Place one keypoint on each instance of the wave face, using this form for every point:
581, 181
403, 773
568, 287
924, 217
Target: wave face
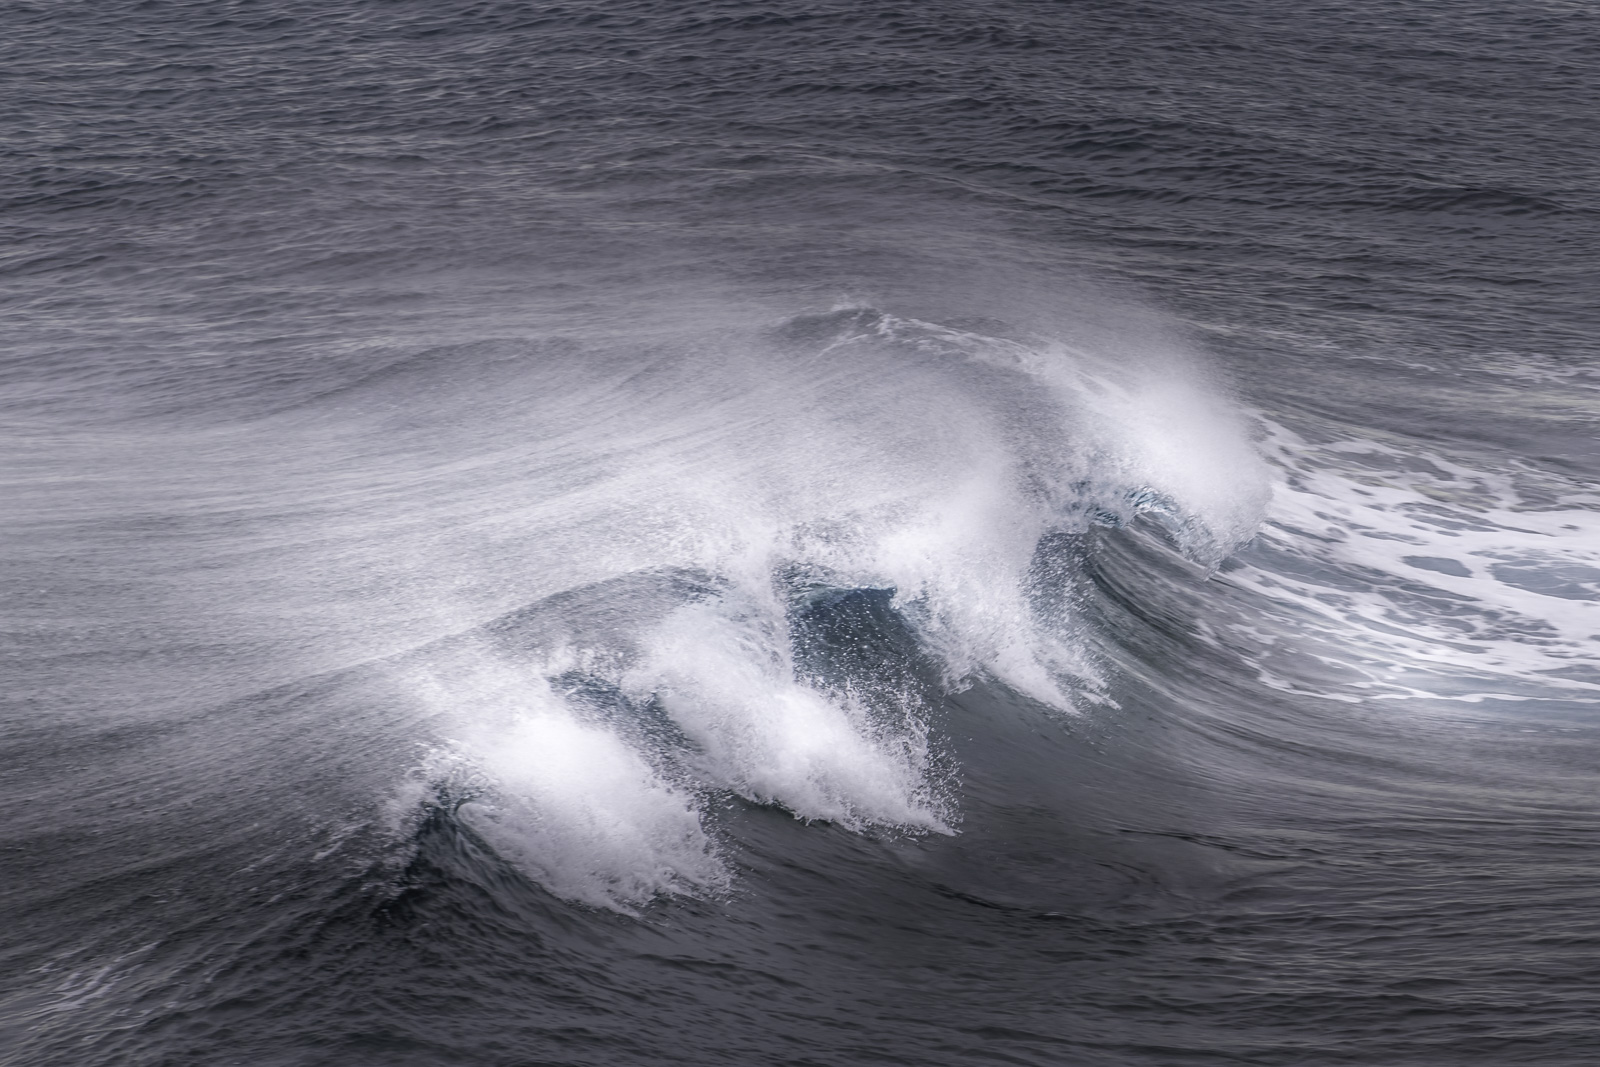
638, 534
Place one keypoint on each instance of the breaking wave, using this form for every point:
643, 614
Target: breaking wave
782, 549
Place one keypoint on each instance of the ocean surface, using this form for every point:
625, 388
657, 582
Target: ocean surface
827, 533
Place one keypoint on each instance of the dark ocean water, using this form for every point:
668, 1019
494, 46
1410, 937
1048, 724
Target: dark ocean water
831, 533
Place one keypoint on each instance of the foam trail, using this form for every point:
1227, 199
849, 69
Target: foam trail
1441, 582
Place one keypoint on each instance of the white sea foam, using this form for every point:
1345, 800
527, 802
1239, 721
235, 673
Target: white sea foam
729, 681
1441, 580
568, 799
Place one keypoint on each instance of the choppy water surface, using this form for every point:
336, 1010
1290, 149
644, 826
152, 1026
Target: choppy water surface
1048, 533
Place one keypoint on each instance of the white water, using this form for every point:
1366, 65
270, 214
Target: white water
1441, 580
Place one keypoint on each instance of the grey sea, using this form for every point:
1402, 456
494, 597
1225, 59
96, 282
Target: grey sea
1041, 532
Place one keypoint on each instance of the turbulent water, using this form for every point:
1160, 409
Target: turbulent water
1058, 533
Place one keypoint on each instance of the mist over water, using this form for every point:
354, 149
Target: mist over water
1054, 534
